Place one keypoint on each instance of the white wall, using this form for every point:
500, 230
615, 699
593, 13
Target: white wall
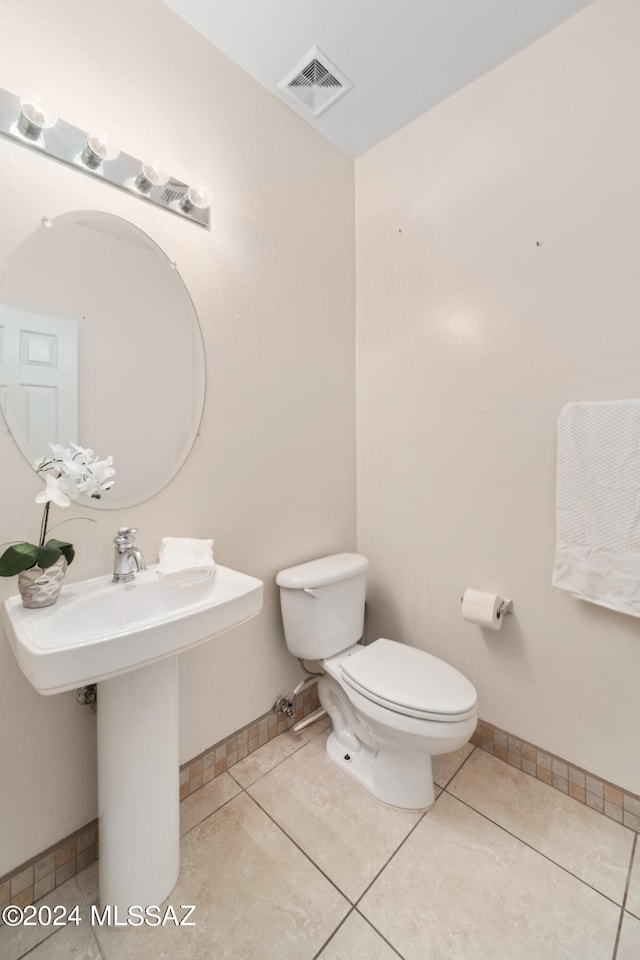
498, 245
272, 476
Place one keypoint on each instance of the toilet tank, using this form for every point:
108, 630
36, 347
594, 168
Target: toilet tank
322, 604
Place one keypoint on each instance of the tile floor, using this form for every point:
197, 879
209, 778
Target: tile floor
285, 857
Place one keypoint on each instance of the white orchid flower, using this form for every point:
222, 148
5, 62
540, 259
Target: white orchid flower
59, 452
92, 487
103, 470
53, 492
93, 478
73, 469
86, 455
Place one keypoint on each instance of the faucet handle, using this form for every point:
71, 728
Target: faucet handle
124, 534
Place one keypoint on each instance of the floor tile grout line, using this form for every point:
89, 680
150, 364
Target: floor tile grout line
302, 851
85, 903
414, 827
631, 865
459, 768
534, 849
241, 788
353, 910
207, 817
245, 790
276, 765
424, 814
88, 904
333, 932
39, 943
352, 904
102, 953
381, 935
624, 898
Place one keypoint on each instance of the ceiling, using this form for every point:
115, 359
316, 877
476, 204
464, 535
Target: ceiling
401, 56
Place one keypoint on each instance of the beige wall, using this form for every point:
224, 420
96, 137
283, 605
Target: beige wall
498, 245
272, 476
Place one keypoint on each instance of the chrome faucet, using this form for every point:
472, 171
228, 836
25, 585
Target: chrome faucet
127, 558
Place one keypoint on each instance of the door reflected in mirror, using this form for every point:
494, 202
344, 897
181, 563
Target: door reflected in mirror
100, 345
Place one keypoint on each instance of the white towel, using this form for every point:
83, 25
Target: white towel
183, 561
598, 504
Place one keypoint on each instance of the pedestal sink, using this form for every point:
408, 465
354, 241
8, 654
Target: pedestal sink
126, 638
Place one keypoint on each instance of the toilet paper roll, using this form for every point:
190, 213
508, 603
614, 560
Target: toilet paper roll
482, 608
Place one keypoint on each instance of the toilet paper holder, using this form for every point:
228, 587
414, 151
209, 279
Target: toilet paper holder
505, 607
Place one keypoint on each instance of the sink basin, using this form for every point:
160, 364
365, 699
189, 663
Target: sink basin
99, 629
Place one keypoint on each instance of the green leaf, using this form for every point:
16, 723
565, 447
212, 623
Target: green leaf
18, 557
47, 556
66, 549
22, 556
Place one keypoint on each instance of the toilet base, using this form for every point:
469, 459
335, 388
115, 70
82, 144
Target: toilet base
398, 779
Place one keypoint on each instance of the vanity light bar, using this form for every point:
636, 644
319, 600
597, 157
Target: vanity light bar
32, 122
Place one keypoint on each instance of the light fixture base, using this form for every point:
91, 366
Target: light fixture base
68, 144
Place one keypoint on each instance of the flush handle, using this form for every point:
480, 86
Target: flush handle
311, 591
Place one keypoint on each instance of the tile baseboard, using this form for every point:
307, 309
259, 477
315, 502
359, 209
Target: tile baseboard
216, 759
607, 798
51, 868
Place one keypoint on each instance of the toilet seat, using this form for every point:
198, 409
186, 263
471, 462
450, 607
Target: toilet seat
410, 681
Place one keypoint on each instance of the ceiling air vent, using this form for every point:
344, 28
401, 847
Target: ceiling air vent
315, 83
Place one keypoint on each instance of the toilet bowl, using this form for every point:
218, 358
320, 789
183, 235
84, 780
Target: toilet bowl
387, 746
392, 706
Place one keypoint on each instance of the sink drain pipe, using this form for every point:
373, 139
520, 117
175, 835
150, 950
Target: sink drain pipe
88, 696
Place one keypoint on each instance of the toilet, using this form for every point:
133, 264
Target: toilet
392, 706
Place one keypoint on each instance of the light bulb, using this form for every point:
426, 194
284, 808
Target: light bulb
153, 173
198, 197
99, 148
36, 114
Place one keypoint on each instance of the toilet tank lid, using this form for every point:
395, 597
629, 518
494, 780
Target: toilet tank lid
323, 571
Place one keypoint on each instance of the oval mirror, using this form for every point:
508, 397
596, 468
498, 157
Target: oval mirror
100, 345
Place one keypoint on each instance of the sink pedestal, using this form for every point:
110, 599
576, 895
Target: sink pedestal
126, 638
138, 786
